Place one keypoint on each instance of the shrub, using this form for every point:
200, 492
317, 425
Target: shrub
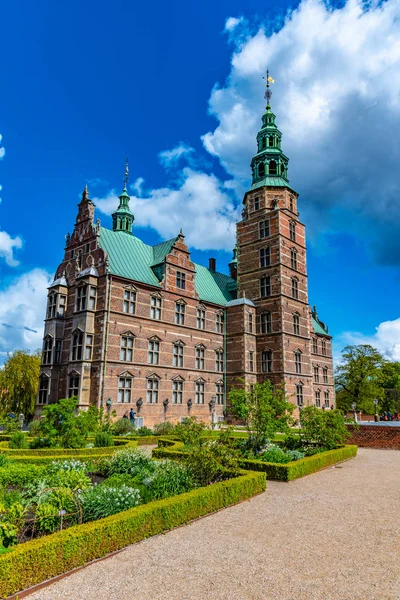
73, 438
204, 465
165, 428
99, 502
132, 462
42, 442
18, 440
190, 431
20, 474
122, 427
103, 439
274, 455
47, 518
325, 428
71, 479
119, 479
143, 431
169, 479
34, 428
4, 460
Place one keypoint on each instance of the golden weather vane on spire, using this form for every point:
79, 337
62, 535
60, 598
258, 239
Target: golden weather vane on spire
126, 172
268, 92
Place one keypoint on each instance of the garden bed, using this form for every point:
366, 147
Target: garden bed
38, 560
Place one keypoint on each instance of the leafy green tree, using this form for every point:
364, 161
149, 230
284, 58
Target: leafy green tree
325, 428
264, 409
390, 381
62, 426
358, 378
19, 383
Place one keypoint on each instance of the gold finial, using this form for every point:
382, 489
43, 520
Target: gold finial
126, 173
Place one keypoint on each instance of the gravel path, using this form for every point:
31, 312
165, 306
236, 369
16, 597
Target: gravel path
329, 536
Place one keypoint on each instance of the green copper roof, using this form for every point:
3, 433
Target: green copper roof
318, 328
131, 258
271, 182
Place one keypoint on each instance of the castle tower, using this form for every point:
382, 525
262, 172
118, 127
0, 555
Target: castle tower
123, 217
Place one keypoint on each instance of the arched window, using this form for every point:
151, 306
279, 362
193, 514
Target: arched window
296, 323
272, 168
261, 170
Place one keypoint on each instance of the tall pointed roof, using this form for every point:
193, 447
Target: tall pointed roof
123, 217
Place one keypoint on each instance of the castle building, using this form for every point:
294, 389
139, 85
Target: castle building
130, 325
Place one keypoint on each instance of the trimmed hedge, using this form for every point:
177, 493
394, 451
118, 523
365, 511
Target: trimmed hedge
276, 472
33, 562
20, 474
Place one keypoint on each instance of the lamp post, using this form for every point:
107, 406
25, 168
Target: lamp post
376, 416
354, 406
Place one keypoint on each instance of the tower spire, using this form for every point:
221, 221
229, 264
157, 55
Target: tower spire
126, 176
268, 92
123, 217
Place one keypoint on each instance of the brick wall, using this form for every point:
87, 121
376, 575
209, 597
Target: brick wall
375, 436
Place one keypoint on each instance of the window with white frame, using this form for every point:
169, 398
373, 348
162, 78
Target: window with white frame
152, 390
88, 346
92, 297
179, 313
265, 286
52, 306
155, 307
297, 361
219, 393
57, 352
296, 323
124, 389
299, 394
325, 374
180, 280
47, 350
62, 305
315, 346
326, 398
153, 354
201, 318
265, 257
129, 302
73, 388
81, 297
177, 391
200, 357
199, 392
295, 288
316, 374
219, 360
43, 389
264, 229
219, 322
266, 322
318, 399
178, 355
292, 231
126, 349
266, 361
293, 259
77, 345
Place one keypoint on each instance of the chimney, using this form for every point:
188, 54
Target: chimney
212, 264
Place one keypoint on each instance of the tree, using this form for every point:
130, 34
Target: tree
19, 383
264, 409
325, 428
390, 382
358, 378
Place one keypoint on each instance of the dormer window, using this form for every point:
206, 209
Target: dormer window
180, 280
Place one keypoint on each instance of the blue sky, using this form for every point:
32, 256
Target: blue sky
178, 87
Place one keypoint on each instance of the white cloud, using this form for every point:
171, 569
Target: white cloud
170, 158
2, 149
22, 310
7, 247
231, 23
386, 339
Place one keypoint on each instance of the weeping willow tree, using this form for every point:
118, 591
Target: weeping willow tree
19, 383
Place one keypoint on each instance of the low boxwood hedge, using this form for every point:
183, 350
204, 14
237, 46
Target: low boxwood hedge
274, 471
19, 474
33, 562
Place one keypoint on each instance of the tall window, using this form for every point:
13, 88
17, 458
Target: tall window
219, 392
265, 286
77, 343
201, 318
264, 229
261, 170
266, 322
62, 305
179, 313
180, 280
326, 398
266, 361
251, 361
73, 388
295, 289
272, 167
256, 203
92, 297
296, 324
219, 360
155, 307
323, 347
88, 347
250, 323
178, 355
43, 389
293, 259
124, 390
129, 302
81, 292
199, 396
265, 257
299, 394
177, 391
271, 140
316, 374
292, 231
57, 352
152, 391
200, 357
126, 350
297, 361
47, 349
318, 399
153, 355
315, 346
219, 322
325, 374
291, 205
52, 306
